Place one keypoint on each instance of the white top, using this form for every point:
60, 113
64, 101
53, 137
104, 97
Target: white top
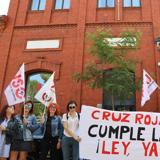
4, 148
73, 123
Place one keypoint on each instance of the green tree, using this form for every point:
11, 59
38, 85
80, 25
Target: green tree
45, 76
119, 82
31, 89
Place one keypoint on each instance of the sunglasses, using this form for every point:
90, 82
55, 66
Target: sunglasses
28, 106
72, 107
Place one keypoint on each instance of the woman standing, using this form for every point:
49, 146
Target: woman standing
24, 125
51, 134
6, 116
70, 140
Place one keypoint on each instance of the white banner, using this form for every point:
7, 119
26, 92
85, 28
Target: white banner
15, 91
148, 87
47, 94
112, 135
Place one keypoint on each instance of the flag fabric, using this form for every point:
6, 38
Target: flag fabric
148, 87
47, 94
15, 91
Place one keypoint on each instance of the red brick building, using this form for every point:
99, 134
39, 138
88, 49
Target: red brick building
50, 36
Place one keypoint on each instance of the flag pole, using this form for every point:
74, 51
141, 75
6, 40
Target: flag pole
44, 110
23, 110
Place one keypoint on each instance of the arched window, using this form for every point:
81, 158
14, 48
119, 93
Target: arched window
109, 97
34, 82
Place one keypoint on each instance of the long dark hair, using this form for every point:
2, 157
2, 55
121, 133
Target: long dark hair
31, 110
71, 102
3, 113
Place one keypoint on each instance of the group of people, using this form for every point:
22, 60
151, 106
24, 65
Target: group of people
54, 134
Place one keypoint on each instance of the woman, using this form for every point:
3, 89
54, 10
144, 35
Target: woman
24, 125
51, 134
70, 140
6, 116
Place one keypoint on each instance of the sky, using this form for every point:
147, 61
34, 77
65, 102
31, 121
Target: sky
4, 4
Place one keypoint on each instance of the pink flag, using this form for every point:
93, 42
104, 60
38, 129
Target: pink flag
148, 87
15, 91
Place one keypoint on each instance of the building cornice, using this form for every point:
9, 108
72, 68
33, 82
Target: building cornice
46, 26
132, 24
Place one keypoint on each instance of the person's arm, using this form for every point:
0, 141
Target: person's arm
12, 127
60, 129
65, 126
32, 123
60, 132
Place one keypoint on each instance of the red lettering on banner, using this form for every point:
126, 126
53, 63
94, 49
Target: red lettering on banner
138, 118
104, 151
93, 114
150, 149
114, 116
125, 117
125, 145
114, 148
147, 119
106, 115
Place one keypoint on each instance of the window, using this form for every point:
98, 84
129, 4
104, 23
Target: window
105, 3
38, 5
62, 4
34, 83
122, 42
109, 98
131, 3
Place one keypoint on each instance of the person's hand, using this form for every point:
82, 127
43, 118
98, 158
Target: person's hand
42, 119
2, 128
77, 138
25, 121
58, 145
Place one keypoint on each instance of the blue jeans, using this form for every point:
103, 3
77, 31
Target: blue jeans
70, 148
